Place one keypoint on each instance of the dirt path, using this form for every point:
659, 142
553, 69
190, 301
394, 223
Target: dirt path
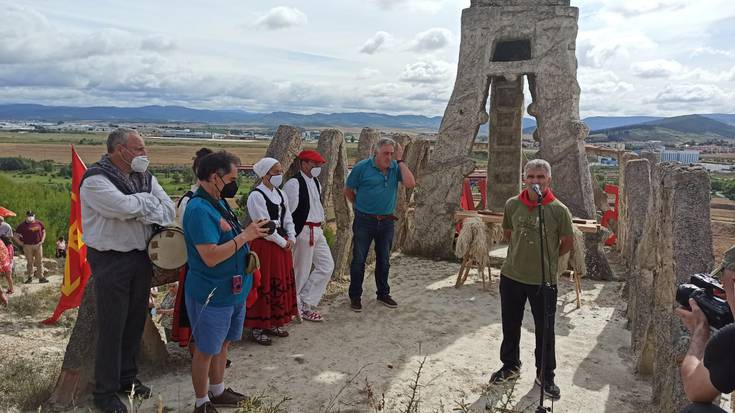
457, 330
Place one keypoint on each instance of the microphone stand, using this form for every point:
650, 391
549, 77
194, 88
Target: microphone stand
548, 306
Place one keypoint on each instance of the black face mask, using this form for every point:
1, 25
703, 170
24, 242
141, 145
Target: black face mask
229, 190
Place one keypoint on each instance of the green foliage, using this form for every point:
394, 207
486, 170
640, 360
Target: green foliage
17, 164
724, 186
329, 235
49, 201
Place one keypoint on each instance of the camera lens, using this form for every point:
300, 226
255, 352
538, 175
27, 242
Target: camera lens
685, 292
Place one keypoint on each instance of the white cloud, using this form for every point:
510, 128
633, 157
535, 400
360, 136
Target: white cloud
601, 82
28, 37
431, 6
367, 73
427, 72
630, 8
713, 52
597, 48
379, 40
431, 40
659, 68
690, 94
281, 18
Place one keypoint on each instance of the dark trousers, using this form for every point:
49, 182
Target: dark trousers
513, 296
703, 408
122, 286
366, 229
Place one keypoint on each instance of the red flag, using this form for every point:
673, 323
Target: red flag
76, 269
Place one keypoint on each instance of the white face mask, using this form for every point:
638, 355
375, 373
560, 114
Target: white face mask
31, 219
276, 180
315, 171
139, 164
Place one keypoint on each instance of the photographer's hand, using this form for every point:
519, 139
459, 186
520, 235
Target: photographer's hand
694, 375
694, 320
255, 230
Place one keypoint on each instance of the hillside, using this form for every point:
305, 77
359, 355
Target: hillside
669, 130
620, 128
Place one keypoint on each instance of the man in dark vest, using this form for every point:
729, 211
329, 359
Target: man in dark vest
304, 199
121, 201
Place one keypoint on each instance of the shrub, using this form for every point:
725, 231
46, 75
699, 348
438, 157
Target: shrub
50, 202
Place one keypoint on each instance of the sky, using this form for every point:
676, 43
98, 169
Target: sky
636, 57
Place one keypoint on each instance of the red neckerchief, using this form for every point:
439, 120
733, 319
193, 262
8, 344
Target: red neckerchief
548, 197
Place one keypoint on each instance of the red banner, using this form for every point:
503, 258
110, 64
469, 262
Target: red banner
76, 269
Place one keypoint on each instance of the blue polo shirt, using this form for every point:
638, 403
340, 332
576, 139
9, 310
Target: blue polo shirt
376, 192
203, 224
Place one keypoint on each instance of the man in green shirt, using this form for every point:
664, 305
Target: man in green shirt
521, 278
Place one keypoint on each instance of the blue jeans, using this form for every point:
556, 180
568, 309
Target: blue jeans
367, 229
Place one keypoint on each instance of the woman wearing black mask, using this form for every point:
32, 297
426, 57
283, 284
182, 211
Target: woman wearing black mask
276, 302
217, 283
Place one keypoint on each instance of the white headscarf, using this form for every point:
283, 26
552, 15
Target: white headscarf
264, 165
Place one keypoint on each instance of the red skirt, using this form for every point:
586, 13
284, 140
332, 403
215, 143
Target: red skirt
276, 302
180, 327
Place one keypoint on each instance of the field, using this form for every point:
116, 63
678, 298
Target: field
160, 151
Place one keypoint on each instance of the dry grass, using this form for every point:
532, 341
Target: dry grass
24, 391
173, 154
38, 303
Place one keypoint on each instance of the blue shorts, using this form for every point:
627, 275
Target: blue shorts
212, 326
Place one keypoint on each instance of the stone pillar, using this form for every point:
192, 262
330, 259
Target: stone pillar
636, 193
332, 179
368, 138
416, 155
440, 186
76, 379
682, 239
623, 160
285, 146
504, 144
561, 135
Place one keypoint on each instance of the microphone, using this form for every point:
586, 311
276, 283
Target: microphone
537, 189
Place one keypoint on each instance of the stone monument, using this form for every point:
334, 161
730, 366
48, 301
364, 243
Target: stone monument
503, 43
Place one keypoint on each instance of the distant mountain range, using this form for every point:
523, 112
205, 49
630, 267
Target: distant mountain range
625, 128
673, 130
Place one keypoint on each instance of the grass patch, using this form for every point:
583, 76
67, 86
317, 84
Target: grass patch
23, 390
262, 403
37, 303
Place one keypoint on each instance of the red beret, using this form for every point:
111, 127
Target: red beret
311, 155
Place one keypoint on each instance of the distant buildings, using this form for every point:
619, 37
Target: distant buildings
680, 156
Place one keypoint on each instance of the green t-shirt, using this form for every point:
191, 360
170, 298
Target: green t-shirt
523, 263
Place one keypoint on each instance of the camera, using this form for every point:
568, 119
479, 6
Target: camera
271, 227
709, 295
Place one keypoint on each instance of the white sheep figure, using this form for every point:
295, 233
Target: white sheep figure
473, 248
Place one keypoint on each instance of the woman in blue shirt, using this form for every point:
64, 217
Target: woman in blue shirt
216, 283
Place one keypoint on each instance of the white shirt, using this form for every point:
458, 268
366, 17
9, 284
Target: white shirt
182, 206
113, 221
291, 189
257, 211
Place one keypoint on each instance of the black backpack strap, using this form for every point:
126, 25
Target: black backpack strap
188, 194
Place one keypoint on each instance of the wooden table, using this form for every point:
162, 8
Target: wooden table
585, 225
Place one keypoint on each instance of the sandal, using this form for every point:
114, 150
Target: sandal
311, 316
9, 291
278, 332
260, 337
